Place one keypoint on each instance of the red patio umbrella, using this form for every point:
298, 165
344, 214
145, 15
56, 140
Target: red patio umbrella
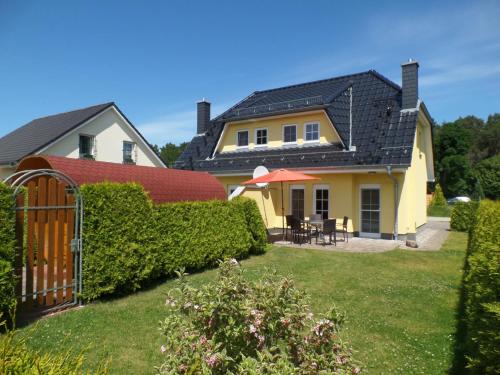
280, 175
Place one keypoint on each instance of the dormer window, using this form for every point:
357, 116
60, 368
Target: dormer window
128, 152
86, 146
261, 137
289, 134
242, 138
311, 132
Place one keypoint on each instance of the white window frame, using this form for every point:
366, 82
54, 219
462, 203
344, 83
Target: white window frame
267, 137
93, 147
237, 138
133, 153
366, 234
321, 187
319, 131
231, 187
283, 134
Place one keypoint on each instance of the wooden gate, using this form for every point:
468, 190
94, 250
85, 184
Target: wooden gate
48, 233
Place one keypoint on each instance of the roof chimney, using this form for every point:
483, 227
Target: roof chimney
203, 108
410, 84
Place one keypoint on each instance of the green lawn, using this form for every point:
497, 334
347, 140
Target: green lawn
440, 211
400, 308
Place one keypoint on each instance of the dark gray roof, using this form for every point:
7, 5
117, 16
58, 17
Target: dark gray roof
42, 131
382, 133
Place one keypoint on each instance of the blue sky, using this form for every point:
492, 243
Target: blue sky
155, 59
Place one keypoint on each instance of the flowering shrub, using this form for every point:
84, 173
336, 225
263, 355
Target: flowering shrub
235, 326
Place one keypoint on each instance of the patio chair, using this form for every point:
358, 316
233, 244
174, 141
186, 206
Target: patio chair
315, 228
301, 231
343, 230
329, 229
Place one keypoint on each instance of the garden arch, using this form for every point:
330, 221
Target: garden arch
48, 254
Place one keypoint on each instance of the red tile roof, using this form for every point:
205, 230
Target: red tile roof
162, 184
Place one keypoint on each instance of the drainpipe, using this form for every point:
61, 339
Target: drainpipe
396, 192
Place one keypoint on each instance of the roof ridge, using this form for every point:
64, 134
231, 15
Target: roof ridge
385, 79
314, 82
107, 104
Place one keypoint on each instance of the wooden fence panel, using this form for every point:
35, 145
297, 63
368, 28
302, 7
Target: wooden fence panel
51, 224
61, 201
30, 245
40, 258
70, 223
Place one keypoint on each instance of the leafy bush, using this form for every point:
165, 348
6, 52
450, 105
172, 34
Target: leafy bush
118, 239
7, 248
16, 358
235, 326
482, 290
127, 242
255, 224
463, 215
195, 235
438, 199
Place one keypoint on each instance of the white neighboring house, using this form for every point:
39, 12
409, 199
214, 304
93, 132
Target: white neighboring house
100, 132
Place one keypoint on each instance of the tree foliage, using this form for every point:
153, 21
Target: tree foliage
466, 155
170, 152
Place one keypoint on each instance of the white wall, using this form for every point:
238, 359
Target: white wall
109, 130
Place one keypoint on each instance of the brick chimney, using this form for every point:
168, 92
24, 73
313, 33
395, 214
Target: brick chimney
410, 84
203, 108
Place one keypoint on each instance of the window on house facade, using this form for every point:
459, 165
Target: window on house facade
128, 152
311, 132
261, 137
242, 138
290, 134
86, 146
321, 201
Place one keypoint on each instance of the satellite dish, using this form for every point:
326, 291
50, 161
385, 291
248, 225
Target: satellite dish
260, 171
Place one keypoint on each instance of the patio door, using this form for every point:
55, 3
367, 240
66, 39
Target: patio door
370, 211
297, 201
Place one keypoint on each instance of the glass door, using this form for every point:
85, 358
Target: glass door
370, 212
298, 202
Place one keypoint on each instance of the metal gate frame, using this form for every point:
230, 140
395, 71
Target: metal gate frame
20, 179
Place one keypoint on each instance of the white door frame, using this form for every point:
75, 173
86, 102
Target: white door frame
370, 186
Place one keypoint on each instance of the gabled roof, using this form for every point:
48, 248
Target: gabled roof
40, 132
382, 133
162, 184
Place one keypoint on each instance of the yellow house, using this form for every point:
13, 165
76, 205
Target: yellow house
366, 139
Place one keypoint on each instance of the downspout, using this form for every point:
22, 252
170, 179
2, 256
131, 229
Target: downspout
396, 192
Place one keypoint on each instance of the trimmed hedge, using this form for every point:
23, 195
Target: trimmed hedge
118, 241
128, 242
463, 215
254, 223
482, 290
195, 235
7, 249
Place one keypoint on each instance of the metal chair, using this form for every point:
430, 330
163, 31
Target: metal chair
343, 230
330, 229
300, 231
315, 228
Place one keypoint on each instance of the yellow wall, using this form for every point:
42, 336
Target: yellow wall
344, 197
274, 127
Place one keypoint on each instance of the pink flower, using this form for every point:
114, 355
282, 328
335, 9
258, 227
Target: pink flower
203, 340
252, 328
234, 262
356, 370
211, 361
163, 349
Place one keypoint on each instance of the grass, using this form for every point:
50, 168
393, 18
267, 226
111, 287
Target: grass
400, 307
440, 211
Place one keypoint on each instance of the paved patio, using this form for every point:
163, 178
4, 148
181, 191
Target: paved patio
430, 237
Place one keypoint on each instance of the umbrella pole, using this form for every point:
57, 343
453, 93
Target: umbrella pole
282, 212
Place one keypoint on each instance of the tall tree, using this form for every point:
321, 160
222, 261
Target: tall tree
170, 152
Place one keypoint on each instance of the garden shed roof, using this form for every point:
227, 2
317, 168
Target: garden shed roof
162, 184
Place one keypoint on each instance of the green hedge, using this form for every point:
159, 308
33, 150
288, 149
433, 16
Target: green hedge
118, 241
254, 223
463, 215
7, 247
128, 242
482, 290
